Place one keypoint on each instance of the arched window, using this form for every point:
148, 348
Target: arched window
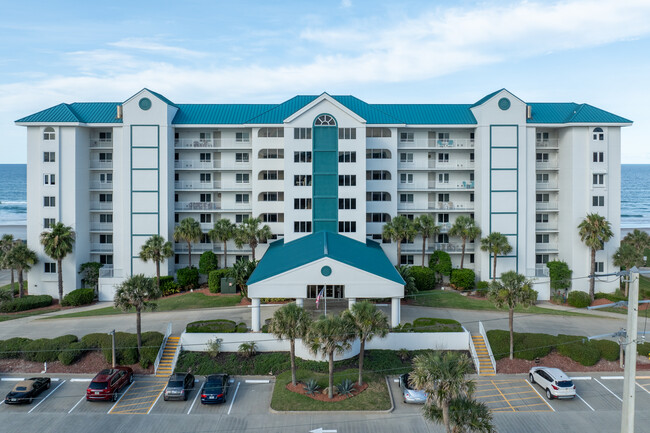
599, 134
49, 134
325, 120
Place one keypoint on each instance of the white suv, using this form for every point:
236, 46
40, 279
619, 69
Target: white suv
553, 381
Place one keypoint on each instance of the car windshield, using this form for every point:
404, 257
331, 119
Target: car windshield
98, 385
212, 390
175, 384
565, 383
21, 388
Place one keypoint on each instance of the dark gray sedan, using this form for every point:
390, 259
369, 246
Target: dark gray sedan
179, 386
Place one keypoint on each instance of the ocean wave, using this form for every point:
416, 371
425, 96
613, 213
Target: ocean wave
12, 203
632, 216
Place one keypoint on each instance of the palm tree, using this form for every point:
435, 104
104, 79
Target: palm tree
627, 256
367, 321
189, 230
21, 258
329, 335
398, 230
426, 226
250, 232
442, 377
137, 292
58, 242
513, 290
223, 231
465, 416
465, 228
496, 244
6, 244
594, 231
156, 249
290, 322
638, 239
241, 272
409, 279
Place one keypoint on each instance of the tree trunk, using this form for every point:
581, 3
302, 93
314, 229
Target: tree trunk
20, 284
292, 355
361, 350
330, 390
399, 253
462, 254
138, 328
511, 313
253, 245
424, 248
12, 282
627, 286
158, 275
225, 254
494, 268
189, 253
445, 416
59, 271
592, 280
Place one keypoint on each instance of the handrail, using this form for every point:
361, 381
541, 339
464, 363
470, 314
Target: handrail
178, 351
481, 330
472, 351
162, 347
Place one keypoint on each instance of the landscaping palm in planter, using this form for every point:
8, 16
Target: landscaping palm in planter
290, 322
137, 292
366, 322
58, 242
156, 249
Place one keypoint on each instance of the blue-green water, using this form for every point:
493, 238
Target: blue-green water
13, 194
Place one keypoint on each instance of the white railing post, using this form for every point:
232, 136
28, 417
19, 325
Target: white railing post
481, 330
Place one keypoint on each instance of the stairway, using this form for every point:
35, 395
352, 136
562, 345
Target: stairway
165, 366
485, 365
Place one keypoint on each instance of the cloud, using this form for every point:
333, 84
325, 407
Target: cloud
151, 46
346, 3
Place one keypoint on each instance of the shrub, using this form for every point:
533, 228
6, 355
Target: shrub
614, 297
500, 343
585, 353
13, 347
126, 346
311, 387
430, 324
214, 347
559, 274
440, 263
151, 342
46, 349
72, 353
345, 388
609, 350
188, 278
28, 302
530, 346
218, 325
642, 349
463, 278
241, 328
168, 286
247, 350
214, 279
208, 262
404, 327
425, 278
79, 297
578, 299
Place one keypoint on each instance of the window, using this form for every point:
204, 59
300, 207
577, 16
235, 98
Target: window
347, 133
270, 132
406, 137
176, 218
542, 198
406, 178
176, 156
598, 179
471, 256
406, 198
49, 157
347, 226
105, 156
49, 201
443, 157
444, 197
242, 198
443, 137
471, 197
49, 179
48, 222
106, 259
347, 180
471, 177
541, 218
542, 177
301, 156
240, 217
302, 226
471, 157
205, 218
378, 132
598, 200
347, 203
271, 175
378, 154
242, 178
205, 198
598, 134
105, 177
347, 156
377, 196
205, 239
541, 259
271, 154
542, 136
105, 136
443, 238
407, 259
49, 134
205, 157
242, 137
542, 238
106, 218
272, 218
443, 177
541, 157
405, 157
176, 198
304, 180
443, 218
325, 120
205, 177
241, 157
270, 196
377, 218
600, 266
49, 268
105, 239
302, 133
177, 177
302, 203
599, 157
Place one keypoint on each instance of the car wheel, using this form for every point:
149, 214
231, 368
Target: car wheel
47, 386
31, 400
548, 394
531, 379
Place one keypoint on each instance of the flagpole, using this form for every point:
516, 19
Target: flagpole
325, 291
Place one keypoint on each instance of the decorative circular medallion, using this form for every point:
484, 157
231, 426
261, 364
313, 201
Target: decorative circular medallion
326, 271
145, 103
504, 103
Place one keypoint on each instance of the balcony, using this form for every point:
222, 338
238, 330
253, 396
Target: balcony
234, 186
189, 185
454, 185
444, 227
181, 247
195, 164
541, 270
102, 165
546, 226
546, 165
101, 185
430, 143
546, 185
101, 205
101, 248
546, 205
549, 143
455, 247
448, 205
453, 164
196, 205
416, 186
101, 143
101, 227
109, 272
549, 247
217, 143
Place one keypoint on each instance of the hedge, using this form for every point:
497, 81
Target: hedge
586, 353
188, 278
13, 347
151, 342
614, 297
126, 346
27, 302
72, 354
168, 286
609, 350
208, 262
214, 279
430, 324
425, 278
578, 299
46, 349
463, 278
440, 263
218, 325
79, 297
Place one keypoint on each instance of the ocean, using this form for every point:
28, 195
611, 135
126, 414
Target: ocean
635, 195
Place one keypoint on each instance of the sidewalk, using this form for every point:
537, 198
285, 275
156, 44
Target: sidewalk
598, 313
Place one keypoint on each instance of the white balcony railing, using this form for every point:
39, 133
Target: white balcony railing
101, 205
101, 185
452, 247
448, 205
546, 247
216, 143
195, 164
233, 186
101, 143
105, 165
454, 185
546, 185
196, 205
546, 226
102, 227
453, 164
431, 143
541, 271
110, 272
546, 205
195, 185
416, 186
181, 247
549, 143
546, 165
103, 248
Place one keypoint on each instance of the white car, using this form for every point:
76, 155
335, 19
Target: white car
553, 381
410, 394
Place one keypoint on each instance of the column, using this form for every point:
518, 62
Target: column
395, 312
351, 302
300, 302
255, 315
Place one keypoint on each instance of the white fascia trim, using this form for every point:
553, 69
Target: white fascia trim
497, 95
212, 125
444, 125
321, 98
571, 124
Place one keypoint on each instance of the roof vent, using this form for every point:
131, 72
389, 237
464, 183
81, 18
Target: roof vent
119, 112
529, 112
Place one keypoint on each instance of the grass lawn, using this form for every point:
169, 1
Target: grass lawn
16, 287
5, 317
446, 299
374, 398
183, 302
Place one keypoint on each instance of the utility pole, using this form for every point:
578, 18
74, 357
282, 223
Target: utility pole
112, 334
629, 381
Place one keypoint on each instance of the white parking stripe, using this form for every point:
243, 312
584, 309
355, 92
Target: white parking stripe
198, 393
583, 400
80, 380
233, 397
73, 407
12, 379
258, 381
540, 395
581, 378
642, 387
611, 392
45, 398
612, 377
154, 403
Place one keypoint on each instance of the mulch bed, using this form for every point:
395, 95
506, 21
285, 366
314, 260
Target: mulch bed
322, 395
555, 360
90, 363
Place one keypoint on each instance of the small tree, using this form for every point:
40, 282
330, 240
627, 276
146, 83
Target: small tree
627, 256
496, 244
560, 275
513, 290
21, 258
189, 230
208, 262
156, 249
409, 279
290, 322
638, 239
367, 321
594, 231
426, 226
465, 228
6, 244
440, 263
137, 292
250, 232
223, 231
58, 242
89, 272
399, 229
241, 272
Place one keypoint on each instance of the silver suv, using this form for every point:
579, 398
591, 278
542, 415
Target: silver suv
178, 386
553, 381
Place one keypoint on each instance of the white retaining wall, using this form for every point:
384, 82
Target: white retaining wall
197, 342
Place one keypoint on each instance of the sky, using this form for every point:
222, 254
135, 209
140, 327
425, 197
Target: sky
192, 51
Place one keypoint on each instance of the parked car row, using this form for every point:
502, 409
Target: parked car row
214, 390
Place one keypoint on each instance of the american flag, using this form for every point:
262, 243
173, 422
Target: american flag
320, 295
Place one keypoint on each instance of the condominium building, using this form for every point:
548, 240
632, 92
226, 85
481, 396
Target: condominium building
119, 172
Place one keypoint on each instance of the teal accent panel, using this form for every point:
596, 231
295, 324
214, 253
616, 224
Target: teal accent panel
325, 144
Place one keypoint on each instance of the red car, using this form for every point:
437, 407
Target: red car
107, 383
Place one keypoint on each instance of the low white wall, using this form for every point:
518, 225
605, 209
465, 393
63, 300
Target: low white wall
197, 342
107, 288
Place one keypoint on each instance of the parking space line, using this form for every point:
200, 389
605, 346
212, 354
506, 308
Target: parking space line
583, 400
45, 398
610, 391
82, 399
540, 396
511, 387
120, 398
504, 397
642, 387
233, 397
156, 401
198, 393
527, 405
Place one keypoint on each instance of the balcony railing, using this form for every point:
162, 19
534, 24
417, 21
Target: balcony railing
546, 165
549, 143
101, 185
195, 164
455, 247
454, 185
181, 247
541, 271
546, 226
453, 164
102, 227
416, 185
195, 185
109, 272
431, 143
448, 205
197, 205
101, 205
546, 247
103, 248
444, 227
101, 143
216, 143
546, 185
546, 205
106, 165
233, 186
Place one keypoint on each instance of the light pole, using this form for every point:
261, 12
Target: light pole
112, 334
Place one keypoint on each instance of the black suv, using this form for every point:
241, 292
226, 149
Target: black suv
178, 386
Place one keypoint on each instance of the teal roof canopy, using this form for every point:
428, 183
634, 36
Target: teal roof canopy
282, 257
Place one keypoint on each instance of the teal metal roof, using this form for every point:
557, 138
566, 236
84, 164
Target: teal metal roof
485, 98
161, 97
218, 114
430, 114
282, 257
79, 112
277, 113
569, 112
